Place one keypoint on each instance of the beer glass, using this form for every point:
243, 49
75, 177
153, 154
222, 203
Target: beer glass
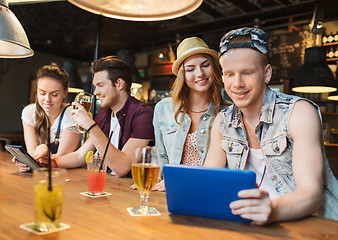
145, 171
85, 99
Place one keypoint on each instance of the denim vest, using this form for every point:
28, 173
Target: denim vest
272, 133
170, 136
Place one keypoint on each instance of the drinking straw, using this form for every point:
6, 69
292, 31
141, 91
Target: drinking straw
105, 151
49, 161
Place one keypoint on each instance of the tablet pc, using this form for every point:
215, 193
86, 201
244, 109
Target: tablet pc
205, 192
22, 156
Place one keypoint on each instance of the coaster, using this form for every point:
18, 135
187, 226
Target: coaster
157, 213
30, 227
105, 194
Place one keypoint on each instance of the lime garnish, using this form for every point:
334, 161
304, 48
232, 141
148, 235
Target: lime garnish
89, 157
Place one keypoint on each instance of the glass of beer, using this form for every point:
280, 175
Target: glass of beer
145, 171
85, 99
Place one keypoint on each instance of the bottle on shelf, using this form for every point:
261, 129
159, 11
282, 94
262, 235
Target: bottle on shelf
330, 38
324, 39
335, 37
331, 53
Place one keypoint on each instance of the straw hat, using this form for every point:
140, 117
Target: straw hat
191, 46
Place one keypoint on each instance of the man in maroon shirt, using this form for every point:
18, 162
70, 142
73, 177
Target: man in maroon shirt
129, 119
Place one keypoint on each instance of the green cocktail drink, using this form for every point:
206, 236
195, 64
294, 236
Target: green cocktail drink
48, 204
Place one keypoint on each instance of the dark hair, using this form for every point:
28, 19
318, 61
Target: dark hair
41, 120
116, 68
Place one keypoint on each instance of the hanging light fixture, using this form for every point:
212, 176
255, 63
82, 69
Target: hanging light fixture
139, 10
333, 96
136, 85
13, 39
315, 76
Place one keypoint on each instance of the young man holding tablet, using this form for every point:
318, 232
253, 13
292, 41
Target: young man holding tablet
278, 136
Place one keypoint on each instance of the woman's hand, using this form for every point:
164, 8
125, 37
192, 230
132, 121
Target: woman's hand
159, 186
23, 167
40, 151
41, 154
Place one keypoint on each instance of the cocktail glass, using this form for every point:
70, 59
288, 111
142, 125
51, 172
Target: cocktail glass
48, 202
96, 176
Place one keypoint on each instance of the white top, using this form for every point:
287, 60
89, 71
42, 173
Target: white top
28, 116
256, 163
115, 127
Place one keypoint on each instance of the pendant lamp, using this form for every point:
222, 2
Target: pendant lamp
139, 10
13, 39
315, 76
333, 96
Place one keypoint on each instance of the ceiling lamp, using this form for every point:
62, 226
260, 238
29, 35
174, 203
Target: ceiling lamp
136, 85
75, 90
139, 10
333, 96
315, 76
13, 39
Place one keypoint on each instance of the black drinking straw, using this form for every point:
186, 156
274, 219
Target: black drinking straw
49, 161
105, 151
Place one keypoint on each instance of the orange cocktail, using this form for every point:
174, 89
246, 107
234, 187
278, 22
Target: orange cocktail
96, 176
96, 181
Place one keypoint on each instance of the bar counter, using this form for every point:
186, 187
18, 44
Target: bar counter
107, 217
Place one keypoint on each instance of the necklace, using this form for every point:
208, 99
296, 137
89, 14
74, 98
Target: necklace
198, 111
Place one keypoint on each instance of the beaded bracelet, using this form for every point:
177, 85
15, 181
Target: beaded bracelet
90, 128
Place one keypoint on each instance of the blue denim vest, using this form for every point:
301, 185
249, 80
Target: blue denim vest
272, 132
170, 136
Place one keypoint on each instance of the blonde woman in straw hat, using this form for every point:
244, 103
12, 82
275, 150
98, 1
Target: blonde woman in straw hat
182, 122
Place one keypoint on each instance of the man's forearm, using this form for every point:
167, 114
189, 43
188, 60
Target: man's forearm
118, 161
295, 205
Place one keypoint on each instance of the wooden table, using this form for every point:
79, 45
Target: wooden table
107, 218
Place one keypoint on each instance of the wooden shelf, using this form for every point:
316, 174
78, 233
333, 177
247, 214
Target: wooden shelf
321, 101
330, 44
330, 114
331, 144
327, 45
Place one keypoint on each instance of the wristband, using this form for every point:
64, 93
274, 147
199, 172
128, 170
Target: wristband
90, 128
56, 164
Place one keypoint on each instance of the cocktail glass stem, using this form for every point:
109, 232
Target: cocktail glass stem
144, 202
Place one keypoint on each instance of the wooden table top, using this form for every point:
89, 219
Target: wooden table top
107, 217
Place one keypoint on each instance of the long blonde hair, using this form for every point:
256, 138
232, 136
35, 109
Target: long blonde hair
180, 91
